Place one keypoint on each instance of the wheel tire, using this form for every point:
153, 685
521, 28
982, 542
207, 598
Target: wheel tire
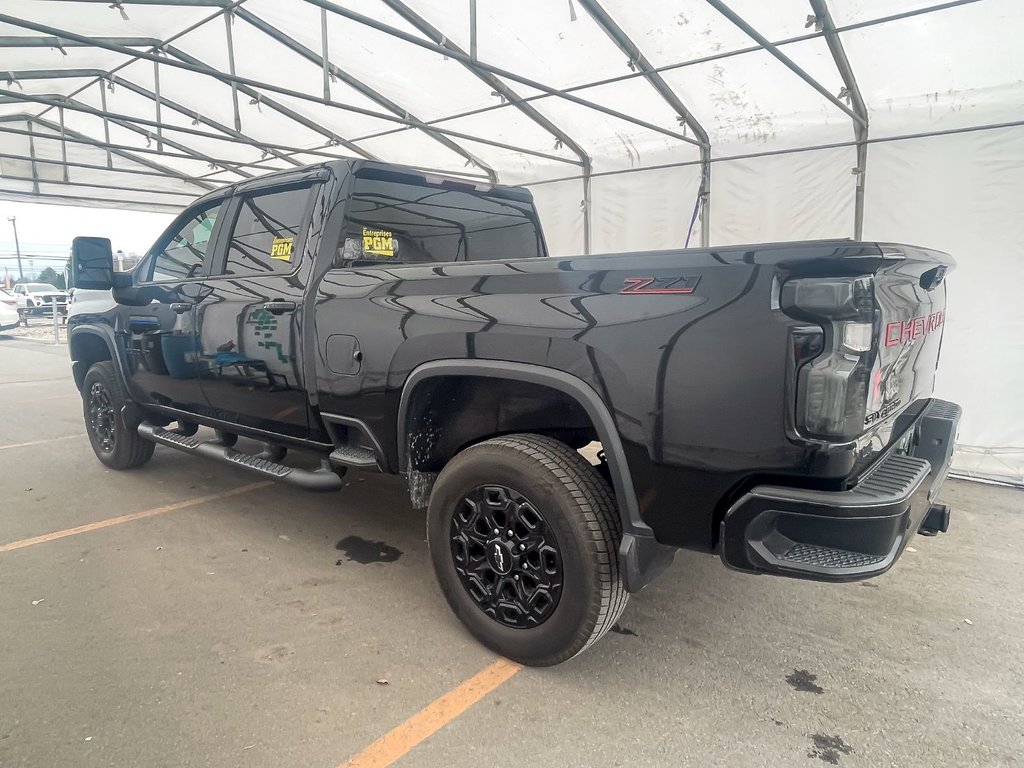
573, 502
115, 443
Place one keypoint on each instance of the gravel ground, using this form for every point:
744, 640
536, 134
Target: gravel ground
39, 328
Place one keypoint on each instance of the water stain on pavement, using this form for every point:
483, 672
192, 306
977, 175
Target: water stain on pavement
363, 551
802, 680
828, 748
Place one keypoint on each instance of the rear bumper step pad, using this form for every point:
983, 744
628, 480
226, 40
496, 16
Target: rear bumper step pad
320, 480
853, 534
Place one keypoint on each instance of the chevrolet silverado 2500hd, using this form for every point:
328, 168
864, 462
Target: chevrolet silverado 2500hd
768, 403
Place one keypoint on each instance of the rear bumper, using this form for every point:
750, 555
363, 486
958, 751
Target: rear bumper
853, 534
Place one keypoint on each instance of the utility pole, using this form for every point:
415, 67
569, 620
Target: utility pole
17, 246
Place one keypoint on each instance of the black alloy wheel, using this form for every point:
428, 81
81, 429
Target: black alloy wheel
524, 538
112, 432
101, 417
506, 556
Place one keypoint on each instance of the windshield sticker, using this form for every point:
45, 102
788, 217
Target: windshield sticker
282, 247
378, 242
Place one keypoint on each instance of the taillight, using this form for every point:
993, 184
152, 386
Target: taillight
9, 301
832, 388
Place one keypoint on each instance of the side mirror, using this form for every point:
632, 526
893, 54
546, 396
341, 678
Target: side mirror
92, 263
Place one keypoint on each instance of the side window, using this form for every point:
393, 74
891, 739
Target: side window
182, 255
266, 233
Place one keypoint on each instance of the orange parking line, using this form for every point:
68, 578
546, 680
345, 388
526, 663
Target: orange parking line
129, 518
41, 442
399, 741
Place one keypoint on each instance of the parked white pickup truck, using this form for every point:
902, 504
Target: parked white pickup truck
40, 299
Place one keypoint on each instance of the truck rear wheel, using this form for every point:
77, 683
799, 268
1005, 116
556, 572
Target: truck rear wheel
115, 443
524, 534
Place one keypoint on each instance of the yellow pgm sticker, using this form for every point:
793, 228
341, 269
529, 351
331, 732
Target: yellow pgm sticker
282, 248
378, 242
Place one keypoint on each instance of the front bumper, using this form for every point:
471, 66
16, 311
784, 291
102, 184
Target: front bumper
853, 534
45, 309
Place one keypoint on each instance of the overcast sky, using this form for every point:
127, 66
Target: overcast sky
47, 230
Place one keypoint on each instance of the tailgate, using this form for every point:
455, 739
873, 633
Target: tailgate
910, 292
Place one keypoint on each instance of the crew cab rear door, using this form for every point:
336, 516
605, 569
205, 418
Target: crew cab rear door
249, 320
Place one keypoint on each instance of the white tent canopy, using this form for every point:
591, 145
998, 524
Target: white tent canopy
637, 125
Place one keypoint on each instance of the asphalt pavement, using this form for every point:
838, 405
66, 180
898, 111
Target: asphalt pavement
187, 614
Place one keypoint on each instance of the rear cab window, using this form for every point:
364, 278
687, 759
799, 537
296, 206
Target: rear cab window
267, 232
395, 218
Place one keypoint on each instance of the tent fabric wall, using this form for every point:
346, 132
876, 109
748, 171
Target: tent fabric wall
544, 93
964, 194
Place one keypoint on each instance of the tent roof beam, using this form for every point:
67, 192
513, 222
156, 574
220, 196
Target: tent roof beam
490, 80
358, 85
469, 61
128, 122
113, 44
128, 153
773, 49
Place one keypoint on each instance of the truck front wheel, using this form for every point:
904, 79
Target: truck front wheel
524, 534
115, 443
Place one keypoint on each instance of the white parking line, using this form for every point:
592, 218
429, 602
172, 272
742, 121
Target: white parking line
41, 442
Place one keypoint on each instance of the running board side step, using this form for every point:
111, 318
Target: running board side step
320, 480
355, 457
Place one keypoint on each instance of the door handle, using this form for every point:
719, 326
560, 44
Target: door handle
181, 307
278, 307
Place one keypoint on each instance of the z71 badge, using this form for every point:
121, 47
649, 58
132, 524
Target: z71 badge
660, 285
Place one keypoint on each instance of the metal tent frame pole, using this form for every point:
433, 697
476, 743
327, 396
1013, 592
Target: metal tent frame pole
499, 88
126, 153
860, 127
128, 122
477, 64
657, 82
358, 85
60, 37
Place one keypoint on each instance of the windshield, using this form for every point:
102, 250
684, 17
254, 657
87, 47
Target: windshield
41, 288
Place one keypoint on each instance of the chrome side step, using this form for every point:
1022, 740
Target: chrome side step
320, 480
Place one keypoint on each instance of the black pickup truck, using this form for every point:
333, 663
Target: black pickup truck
768, 403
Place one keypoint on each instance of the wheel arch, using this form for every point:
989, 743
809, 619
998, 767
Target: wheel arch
88, 345
577, 389
642, 557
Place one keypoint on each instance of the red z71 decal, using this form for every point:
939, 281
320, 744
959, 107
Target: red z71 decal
660, 285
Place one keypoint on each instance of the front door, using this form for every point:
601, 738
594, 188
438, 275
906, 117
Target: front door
159, 325
249, 324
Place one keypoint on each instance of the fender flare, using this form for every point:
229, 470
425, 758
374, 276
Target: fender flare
641, 557
107, 336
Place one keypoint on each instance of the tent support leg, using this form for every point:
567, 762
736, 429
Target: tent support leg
705, 196
851, 90
586, 207
858, 200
